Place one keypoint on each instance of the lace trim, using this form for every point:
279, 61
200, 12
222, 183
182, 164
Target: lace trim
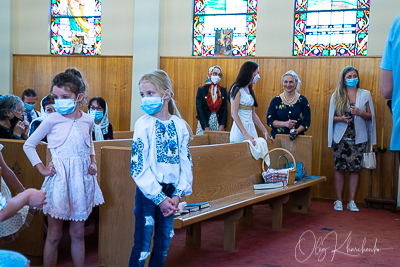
76, 218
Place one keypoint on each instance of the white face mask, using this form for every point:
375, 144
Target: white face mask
215, 79
256, 78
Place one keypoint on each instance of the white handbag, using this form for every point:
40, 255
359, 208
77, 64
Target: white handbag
369, 159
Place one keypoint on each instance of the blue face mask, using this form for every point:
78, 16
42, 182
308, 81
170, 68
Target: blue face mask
29, 107
96, 115
151, 105
64, 106
352, 82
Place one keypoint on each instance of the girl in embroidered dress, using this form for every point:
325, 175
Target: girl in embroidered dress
161, 167
243, 104
71, 182
211, 106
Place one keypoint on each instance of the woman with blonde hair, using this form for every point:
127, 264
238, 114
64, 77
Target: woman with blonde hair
351, 117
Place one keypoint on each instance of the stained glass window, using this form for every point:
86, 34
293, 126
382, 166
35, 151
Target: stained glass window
75, 27
225, 28
331, 27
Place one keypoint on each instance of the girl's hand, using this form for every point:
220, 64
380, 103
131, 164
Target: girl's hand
92, 169
291, 123
268, 137
175, 201
250, 138
167, 207
355, 110
37, 198
46, 171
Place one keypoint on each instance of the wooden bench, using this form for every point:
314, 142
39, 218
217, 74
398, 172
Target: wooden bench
229, 189
30, 241
123, 134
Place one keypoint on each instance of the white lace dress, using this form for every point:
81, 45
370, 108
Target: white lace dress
246, 117
72, 192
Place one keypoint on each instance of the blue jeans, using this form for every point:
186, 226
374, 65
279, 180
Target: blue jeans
147, 217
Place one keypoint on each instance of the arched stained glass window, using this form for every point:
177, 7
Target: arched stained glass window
331, 27
75, 27
225, 28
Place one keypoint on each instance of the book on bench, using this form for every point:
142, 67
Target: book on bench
268, 185
200, 205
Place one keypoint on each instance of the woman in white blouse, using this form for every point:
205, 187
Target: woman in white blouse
351, 117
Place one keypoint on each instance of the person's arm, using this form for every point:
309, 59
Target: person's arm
365, 115
9, 176
110, 132
272, 116
201, 116
224, 108
387, 84
306, 112
260, 125
32, 197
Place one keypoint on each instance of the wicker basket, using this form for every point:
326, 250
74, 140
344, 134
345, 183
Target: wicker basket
292, 173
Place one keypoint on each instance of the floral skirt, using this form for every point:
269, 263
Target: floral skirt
212, 122
348, 155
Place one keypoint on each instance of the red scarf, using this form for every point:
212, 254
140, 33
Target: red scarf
214, 106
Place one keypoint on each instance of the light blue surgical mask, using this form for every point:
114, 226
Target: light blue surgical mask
352, 82
64, 106
96, 114
29, 107
151, 105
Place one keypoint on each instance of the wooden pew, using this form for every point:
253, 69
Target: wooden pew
30, 241
229, 190
123, 134
218, 137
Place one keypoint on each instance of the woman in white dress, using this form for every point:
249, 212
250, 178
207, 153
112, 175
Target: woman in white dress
243, 104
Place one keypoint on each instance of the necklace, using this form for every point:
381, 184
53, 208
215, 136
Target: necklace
289, 102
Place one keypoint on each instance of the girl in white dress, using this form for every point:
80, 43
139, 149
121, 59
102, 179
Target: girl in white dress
243, 104
71, 184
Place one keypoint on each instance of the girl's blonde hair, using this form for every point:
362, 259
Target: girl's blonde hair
161, 81
340, 98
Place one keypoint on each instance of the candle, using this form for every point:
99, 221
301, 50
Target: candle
382, 140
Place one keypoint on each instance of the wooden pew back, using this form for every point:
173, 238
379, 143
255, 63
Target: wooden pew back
123, 134
200, 140
30, 242
99, 144
218, 137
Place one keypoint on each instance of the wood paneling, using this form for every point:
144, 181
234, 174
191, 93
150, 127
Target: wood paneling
319, 78
108, 76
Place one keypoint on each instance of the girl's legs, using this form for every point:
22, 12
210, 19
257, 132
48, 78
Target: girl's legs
77, 233
54, 233
353, 183
162, 238
339, 177
145, 211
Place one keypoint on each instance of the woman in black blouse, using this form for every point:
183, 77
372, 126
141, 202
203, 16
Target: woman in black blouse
98, 110
12, 124
289, 112
211, 105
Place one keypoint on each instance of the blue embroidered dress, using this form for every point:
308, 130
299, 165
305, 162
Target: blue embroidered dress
299, 111
160, 154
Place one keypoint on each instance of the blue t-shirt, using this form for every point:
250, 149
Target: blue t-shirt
391, 61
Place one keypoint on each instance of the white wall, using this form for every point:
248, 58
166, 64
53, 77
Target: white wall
5, 47
275, 27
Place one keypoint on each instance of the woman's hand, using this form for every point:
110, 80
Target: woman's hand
291, 123
92, 169
221, 128
46, 171
268, 137
250, 138
346, 119
207, 129
355, 111
167, 207
19, 128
